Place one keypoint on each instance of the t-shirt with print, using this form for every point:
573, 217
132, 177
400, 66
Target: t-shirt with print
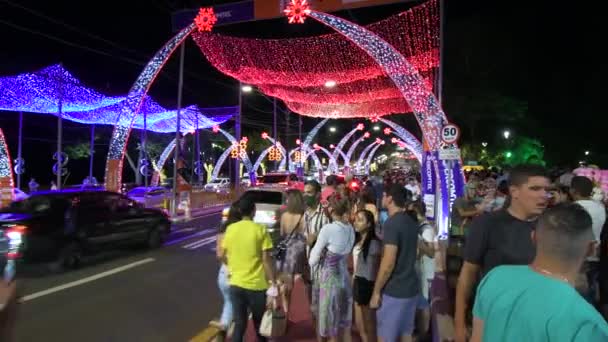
401, 231
516, 303
244, 243
498, 238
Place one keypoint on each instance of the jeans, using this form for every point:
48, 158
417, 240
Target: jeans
224, 285
244, 300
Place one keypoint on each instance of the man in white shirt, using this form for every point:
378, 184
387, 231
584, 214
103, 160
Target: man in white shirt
581, 189
414, 188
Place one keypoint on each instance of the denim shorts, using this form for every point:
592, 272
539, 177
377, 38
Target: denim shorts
396, 317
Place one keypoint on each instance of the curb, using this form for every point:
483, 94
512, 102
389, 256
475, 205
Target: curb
199, 213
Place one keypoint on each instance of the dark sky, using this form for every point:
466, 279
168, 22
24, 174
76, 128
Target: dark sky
105, 44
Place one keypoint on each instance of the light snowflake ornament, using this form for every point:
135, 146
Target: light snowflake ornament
297, 11
205, 19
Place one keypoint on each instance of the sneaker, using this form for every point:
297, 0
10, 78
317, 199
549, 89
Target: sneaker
218, 325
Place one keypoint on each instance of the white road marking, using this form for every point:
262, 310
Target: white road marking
84, 280
201, 242
188, 237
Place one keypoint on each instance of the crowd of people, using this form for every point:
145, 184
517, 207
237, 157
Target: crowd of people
527, 244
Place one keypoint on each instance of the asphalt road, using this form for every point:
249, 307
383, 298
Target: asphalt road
168, 294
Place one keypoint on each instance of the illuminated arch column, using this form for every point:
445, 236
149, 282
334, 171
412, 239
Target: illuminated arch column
353, 147
220, 162
412, 143
7, 184
343, 141
420, 98
245, 158
306, 153
161, 162
370, 156
263, 155
363, 154
311, 135
332, 163
132, 104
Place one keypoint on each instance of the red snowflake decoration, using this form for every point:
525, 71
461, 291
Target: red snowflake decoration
205, 19
298, 141
216, 129
366, 135
360, 127
264, 135
297, 11
387, 131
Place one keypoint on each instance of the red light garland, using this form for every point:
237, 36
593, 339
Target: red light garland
297, 11
300, 67
205, 19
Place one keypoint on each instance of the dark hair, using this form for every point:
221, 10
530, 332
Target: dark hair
582, 185
246, 206
315, 185
371, 233
419, 207
339, 205
295, 202
503, 187
399, 194
234, 215
520, 174
331, 180
564, 231
367, 195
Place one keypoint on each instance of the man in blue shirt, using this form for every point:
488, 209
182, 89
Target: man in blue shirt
538, 302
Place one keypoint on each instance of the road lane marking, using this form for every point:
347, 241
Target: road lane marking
84, 280
187, 237
200, 243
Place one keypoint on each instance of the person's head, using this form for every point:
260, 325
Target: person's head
367, 195
339, 208
331, 180
295, 202
564, 234
364, 221
581, 187
234, 214
395, 197
528, 186
558, 194
503, 188
312, 193
416, 210
411, 181
247, 207
471, 189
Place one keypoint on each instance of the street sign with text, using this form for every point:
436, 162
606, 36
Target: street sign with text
450, 134
449, 154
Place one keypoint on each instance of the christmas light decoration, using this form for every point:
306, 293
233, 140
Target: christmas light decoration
161, 163
353, 147
205, 19
274, 154
297, 11
370, 157
332, 146
343, 141
366, 135
297, 157
333, 164
387, 131
304, 155
135, 97
7, 183
362, 157
264, 135
216, 128
239, 150
411, 142
298, 141
282, 152
244, 157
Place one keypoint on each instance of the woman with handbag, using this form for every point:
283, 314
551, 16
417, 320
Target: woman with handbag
333, 292
290, 253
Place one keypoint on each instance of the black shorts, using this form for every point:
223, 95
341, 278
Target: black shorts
362, 290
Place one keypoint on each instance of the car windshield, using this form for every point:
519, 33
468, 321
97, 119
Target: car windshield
273, 179
35, 204
266, 197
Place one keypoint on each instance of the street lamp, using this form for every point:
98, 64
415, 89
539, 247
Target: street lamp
247, 89
330, 84
332, 129
506, 134
484, 144
587, 153
376, 128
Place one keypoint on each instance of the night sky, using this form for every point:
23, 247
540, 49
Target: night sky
507, 46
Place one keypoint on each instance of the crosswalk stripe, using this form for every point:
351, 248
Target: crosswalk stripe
200, 243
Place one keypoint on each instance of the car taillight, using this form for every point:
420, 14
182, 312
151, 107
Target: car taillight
14, 235
283, 183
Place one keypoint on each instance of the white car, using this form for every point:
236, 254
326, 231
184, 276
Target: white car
267, 203
151, 197
217, 184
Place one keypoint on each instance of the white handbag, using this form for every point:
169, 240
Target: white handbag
274, 322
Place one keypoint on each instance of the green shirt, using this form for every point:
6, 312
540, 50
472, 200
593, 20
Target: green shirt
518, 304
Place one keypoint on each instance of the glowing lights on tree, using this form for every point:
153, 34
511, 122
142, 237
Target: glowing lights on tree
205, 19
297, 11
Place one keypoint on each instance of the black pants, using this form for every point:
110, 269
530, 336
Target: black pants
243, 301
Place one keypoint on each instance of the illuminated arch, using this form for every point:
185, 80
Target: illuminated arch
411, 142
134, 100
283, 164
6, 173
363, 154
244, 158
306, 153
220, 162
332, 163
161, 162
353, 147
369, 158
339, 148
415, 91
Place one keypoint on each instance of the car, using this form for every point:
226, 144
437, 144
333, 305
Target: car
217, 184
281, 179
150, 197
268, 201
58, 228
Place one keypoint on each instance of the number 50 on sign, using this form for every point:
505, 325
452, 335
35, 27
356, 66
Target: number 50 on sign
450, 133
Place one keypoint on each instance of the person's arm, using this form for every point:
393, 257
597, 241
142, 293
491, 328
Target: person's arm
387, 265
477, 330
322, 242
474, 252
267, 259
426, 244
219, 250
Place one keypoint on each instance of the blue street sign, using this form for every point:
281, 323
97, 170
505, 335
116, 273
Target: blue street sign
226, 14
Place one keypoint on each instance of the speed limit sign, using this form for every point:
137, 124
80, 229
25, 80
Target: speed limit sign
450, 133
